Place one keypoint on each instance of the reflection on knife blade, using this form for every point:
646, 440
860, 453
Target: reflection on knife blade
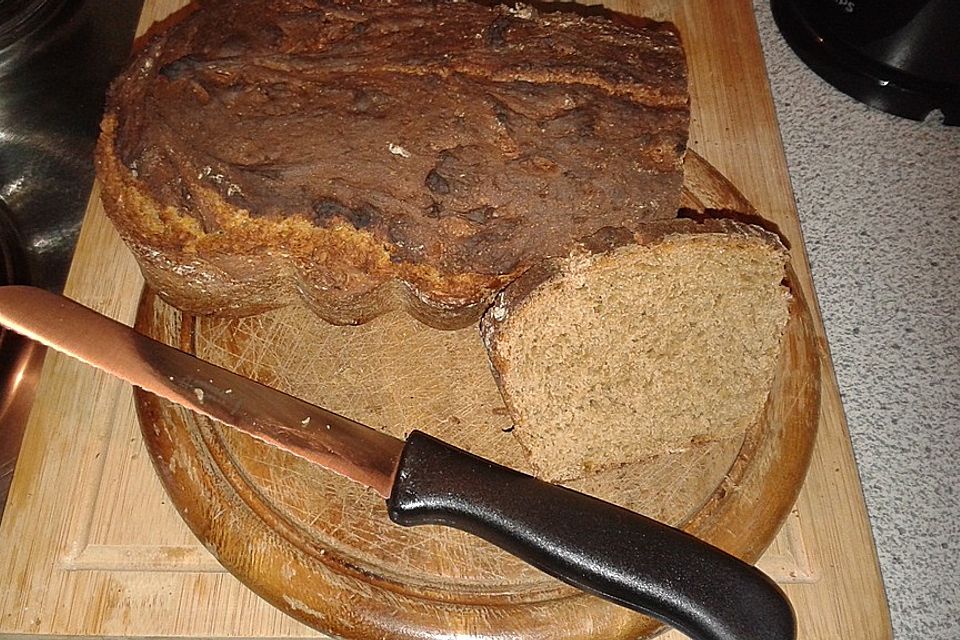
596, 546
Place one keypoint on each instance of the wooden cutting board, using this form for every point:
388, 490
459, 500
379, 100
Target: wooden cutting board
90, 544
320, 541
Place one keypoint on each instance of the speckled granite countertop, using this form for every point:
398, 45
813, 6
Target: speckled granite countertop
879, 204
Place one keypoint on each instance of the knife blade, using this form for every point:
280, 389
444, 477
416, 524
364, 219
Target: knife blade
593, 545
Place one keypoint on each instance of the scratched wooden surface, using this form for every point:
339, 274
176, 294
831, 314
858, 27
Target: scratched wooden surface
91, 544
288, 529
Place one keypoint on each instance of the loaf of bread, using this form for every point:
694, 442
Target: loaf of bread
367, 155
641, 344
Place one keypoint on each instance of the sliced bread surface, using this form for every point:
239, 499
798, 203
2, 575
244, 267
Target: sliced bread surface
622, 352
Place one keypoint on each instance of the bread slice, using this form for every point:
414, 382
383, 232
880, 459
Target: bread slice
365, 155
640, 344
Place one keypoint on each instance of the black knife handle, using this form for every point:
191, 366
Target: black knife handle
596, 546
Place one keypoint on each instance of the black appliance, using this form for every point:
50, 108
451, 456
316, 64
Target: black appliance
901, 56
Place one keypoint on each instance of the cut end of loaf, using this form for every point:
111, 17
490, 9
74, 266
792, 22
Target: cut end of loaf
623, 355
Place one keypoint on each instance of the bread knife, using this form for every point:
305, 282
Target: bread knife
596, 546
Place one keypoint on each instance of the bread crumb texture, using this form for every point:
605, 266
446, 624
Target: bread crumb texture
641, 350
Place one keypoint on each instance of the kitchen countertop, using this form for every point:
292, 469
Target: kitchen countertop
890, 309
879, 200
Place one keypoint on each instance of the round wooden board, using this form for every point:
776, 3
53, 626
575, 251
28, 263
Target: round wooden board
322, 548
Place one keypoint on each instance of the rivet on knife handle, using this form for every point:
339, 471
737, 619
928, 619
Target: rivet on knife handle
596, 546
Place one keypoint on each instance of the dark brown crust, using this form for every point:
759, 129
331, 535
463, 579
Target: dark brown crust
385, 154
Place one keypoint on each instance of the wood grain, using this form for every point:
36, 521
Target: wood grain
91, 546
320, 541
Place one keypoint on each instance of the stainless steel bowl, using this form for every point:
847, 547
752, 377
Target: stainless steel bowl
56, 59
